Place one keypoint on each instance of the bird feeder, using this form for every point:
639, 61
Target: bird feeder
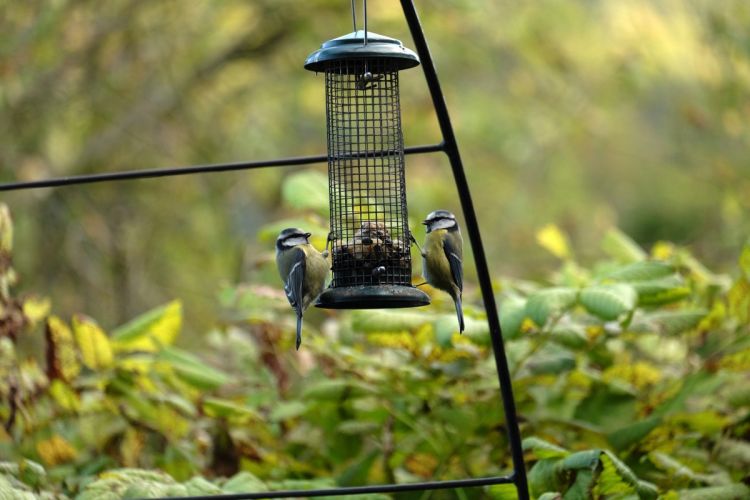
370, 239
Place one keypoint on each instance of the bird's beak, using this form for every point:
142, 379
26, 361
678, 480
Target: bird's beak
307, 235
425, 222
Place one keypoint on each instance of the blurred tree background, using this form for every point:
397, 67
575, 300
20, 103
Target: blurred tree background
573, 117
584, 113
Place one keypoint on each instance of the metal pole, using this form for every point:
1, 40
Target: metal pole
472, 227
129, 175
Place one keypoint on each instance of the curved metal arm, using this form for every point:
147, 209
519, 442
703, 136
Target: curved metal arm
450, 147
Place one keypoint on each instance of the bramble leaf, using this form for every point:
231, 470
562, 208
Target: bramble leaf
151, 330
609, 301
93, 343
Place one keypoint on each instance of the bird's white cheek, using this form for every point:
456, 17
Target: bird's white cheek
293, 242
442, 224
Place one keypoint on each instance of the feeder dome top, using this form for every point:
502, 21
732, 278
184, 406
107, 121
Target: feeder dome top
352, 46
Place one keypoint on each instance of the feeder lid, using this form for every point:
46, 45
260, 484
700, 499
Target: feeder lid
352, 46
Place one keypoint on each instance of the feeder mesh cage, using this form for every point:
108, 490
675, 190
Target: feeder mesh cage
369, 226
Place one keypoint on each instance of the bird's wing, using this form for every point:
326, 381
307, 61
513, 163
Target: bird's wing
456, 265
295, 280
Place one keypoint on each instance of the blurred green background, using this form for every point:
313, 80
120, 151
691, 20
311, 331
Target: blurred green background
586, 114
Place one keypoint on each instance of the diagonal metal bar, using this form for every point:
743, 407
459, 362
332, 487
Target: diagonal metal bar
361, 490
193, 169
472, 226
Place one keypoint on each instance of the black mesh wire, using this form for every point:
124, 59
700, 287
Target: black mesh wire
369, 227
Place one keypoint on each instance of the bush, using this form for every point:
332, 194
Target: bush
631, 379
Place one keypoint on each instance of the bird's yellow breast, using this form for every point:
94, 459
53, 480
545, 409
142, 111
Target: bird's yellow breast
435, 266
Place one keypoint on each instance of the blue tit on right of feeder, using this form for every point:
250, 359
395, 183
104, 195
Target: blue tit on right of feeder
443, 257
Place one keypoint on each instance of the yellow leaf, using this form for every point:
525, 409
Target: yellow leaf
737, 362
64, 395
6, 229
639, 374
662, 250
151, 330
131, 447
552, 239
36, 308
739, 299
61, 350
421, 464
55, 450
93, 343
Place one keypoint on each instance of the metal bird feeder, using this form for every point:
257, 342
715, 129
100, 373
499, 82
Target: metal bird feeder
370, 239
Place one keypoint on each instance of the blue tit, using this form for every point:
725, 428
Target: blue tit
303, 270
442, 255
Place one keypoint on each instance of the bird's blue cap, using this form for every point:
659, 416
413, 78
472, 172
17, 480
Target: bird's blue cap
438, 214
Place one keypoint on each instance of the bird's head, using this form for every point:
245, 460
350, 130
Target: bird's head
440, 219
290, 238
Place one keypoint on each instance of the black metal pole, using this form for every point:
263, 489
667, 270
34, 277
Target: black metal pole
151, 173
361, 490
472, 227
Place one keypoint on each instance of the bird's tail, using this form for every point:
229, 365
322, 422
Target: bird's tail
459, 313
299, 330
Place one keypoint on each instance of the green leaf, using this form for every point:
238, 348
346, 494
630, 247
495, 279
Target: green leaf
550, 495
745, 260
551, 360
736, 491
502, 492
353, 427
626, 436
661, 291
734, 453
672, 466
306, 190
617, 479
606, 406
151, 330
550, 301
198, 486
382, 321
31, 473
642, 271
571, 335
287, 410
244, 482
543, 449
675, 322
581, 487
512, 313
337, 389
543, 477
192, 370
587, 459
620, 246
608, 302
358, 472
223, 408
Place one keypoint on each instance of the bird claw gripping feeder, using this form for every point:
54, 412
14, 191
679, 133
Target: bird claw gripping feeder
370, 239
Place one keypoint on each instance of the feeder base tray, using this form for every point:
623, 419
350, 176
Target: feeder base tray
372, 297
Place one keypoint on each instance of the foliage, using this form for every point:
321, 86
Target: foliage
631, 380
591, 114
